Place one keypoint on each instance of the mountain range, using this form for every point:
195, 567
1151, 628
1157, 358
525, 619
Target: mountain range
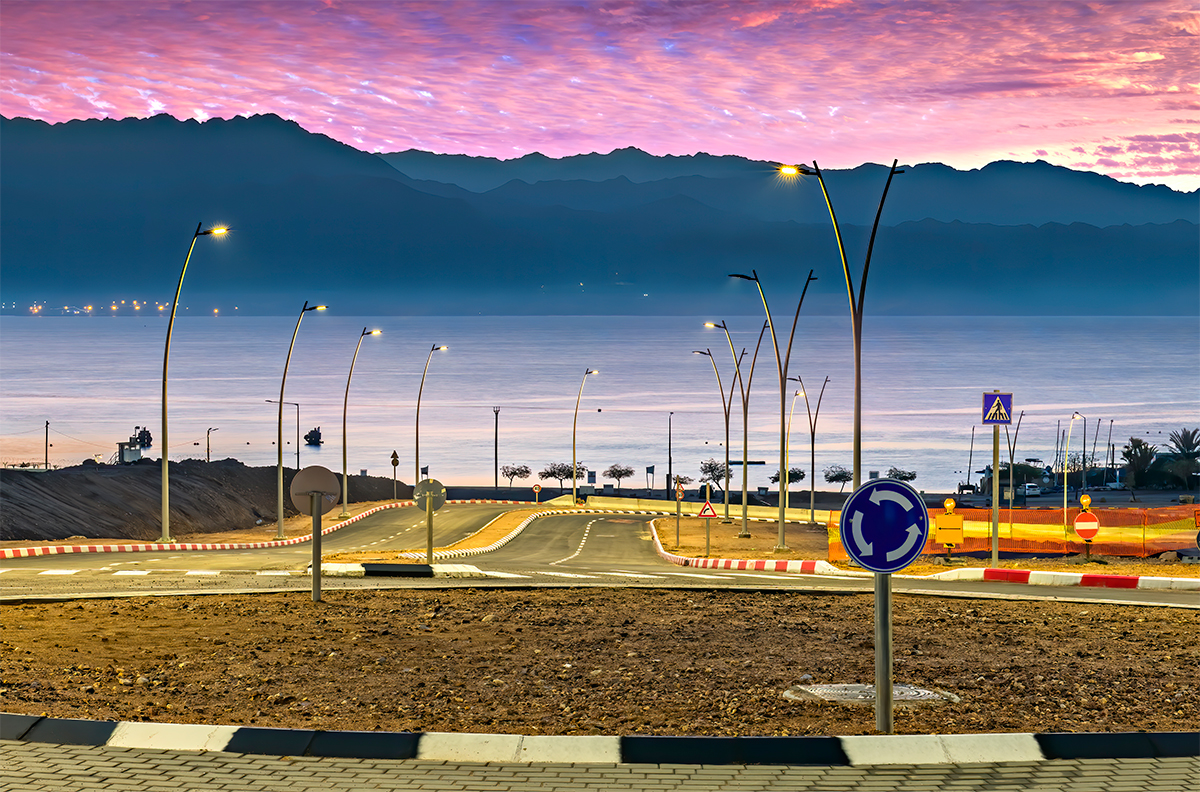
99, 210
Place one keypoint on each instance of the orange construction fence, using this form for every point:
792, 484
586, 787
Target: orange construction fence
1123, 532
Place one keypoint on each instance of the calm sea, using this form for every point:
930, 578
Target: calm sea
96, 378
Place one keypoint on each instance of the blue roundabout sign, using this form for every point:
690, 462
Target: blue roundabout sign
884, 525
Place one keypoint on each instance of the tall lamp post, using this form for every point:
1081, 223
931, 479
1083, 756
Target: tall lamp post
345, 404
574, 424
166, 493
744, 386
420, 390
1066, 451
496, 483
208, 443
812, 445
781, 365
726, 405
279, 440
856, 305
297, 406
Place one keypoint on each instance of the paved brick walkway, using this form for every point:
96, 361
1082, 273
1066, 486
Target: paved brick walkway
67, 768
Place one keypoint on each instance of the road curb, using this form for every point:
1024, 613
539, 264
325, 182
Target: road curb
903, 749
149, 547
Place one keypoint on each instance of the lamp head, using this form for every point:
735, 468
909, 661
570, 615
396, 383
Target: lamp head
949, 504
743, 277
442, 348
591, 371
701, 352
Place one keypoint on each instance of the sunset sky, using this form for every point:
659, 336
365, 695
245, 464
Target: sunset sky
1104, 86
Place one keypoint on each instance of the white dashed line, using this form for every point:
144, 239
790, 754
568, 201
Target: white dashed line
59, 572
131, 572
751, 574
505, 575
698, 575
632, 575
568, 575
284, 574
586, 530
205, 572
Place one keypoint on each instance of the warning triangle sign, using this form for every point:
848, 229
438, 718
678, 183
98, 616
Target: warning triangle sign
708, 510
997, 412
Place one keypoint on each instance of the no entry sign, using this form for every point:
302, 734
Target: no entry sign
1087, 525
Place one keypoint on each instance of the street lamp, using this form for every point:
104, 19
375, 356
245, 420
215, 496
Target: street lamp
166, 494
812, 445
279, 442
420, 390
726, 405
574, 423
208, 443
856, 306
297, 406
496, 469
345, 403
781, 365
744, 386
1066, 452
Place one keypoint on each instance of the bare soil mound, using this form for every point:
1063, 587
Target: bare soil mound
123, 501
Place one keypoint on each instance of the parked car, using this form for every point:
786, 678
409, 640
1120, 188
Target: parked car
1115, 485
1031, 490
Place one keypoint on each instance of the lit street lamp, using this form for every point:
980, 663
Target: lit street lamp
726, 405
812, 445
1066, 451
345, 404
496, 467
279, 442
420, 390
574, 423
856, 305
781, 365
744, 386
208, 443
166, 495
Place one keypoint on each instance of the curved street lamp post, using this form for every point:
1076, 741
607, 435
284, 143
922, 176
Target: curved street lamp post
166, 492
417, 428
208, 443
279, 438
744, 386
1066, 451
574, 424
781, 365
345, 404
727, 406
812, 445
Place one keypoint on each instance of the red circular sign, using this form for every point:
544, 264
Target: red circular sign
537, 487
1087, 525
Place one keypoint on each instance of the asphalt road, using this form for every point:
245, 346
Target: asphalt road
569, 549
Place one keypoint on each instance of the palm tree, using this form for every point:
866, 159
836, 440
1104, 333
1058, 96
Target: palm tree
1185, 444
1138, 456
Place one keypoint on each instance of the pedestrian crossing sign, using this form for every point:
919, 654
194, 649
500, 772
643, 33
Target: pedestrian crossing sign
708, 510
997, 408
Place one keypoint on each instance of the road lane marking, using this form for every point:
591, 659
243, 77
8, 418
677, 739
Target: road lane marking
632, 575
59, 572
503, 574
698, 575
586, 530
205, 572
284, 574
567, 575
131, 572
751, 574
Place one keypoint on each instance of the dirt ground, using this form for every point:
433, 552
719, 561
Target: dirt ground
592, 661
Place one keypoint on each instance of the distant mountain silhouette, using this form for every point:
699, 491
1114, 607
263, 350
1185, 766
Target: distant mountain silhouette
100, 210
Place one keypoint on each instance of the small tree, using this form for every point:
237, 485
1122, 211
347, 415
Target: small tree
684, 480
837, 474
511, 472
714, 471
901, 475
794, 474
618, 472
561, 471
1138, 456
1185, 444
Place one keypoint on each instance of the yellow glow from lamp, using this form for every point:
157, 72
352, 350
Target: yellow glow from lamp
789, 170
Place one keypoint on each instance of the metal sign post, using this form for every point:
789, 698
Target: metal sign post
678, 509
395, 464
884, 527
315, 491
997, 410
430, 495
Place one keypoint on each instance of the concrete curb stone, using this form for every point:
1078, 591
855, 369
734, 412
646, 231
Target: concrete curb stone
863, 750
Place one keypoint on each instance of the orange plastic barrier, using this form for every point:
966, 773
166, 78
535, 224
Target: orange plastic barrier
1123, 532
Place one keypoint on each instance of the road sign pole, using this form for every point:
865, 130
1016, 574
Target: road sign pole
883, 653
996, 496
315, 499
429, 529
678, 507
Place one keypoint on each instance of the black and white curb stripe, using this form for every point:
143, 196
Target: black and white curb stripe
916, 749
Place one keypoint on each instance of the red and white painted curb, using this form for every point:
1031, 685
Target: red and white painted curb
148, 547
1069, 579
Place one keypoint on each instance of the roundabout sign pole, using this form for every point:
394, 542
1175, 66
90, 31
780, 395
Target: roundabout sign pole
884, 526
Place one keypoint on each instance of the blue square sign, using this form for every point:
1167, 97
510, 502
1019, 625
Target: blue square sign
997, 408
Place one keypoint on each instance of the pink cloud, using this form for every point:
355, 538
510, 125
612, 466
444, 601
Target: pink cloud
961, 82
